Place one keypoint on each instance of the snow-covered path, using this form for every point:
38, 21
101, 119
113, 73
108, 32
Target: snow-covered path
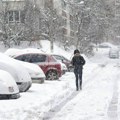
97, 101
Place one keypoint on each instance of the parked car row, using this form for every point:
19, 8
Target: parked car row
51, 68
21, 74
52, 65
26, 66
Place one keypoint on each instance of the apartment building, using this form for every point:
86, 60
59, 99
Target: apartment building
69, 25
117, 21
15, 15
12, 15
117, 8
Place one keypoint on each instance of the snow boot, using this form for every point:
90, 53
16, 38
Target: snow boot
80, 87
77, 89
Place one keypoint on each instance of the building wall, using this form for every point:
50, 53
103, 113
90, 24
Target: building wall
65, 11
117, 8
0, 15
38, 3
13, 5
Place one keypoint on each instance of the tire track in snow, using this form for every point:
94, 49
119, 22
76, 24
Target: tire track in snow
113, 106
96, 72
49, 115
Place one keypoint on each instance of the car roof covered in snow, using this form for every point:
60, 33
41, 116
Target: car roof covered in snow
15, 52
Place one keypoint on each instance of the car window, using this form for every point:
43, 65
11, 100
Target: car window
57, 57
24, 58
52, 58
38, 58
65, 59
60, 58
19, 57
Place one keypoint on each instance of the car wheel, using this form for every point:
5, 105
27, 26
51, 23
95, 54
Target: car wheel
25, 86
52, 75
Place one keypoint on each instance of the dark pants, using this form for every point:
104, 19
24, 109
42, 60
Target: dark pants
78, 75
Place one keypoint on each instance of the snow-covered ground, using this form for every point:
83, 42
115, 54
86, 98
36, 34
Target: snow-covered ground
59, 100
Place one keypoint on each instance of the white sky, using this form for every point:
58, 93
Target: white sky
99, 99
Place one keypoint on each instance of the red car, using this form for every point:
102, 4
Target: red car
48, 63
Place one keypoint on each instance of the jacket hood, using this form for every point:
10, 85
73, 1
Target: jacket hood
76, 51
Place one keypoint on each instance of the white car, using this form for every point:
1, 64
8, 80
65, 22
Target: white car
106, 45
114, 53
8, 86
36, 73
17, 70
12, 51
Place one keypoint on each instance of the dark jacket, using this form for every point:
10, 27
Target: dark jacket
78, 61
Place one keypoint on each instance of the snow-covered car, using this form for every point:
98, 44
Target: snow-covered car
50, 66
64, 60
8, 86
17, 70
113, 53
106, 45
63, 68
36, 73
12, 52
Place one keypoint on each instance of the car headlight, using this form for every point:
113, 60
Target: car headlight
34, 74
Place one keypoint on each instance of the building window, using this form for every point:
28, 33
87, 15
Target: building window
64, 31
71, 25
10, 16
48, 3
117, 1
64, 13
75, 27
118, 11
15, 16
71, 33
71, 9
63, 3
64, 22
71, 17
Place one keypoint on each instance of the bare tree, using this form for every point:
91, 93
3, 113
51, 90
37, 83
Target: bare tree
53, 24
93, 19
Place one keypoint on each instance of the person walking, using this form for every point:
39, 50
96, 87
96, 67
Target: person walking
78, 61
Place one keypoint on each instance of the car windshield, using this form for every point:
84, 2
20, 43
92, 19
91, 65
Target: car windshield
60, 58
